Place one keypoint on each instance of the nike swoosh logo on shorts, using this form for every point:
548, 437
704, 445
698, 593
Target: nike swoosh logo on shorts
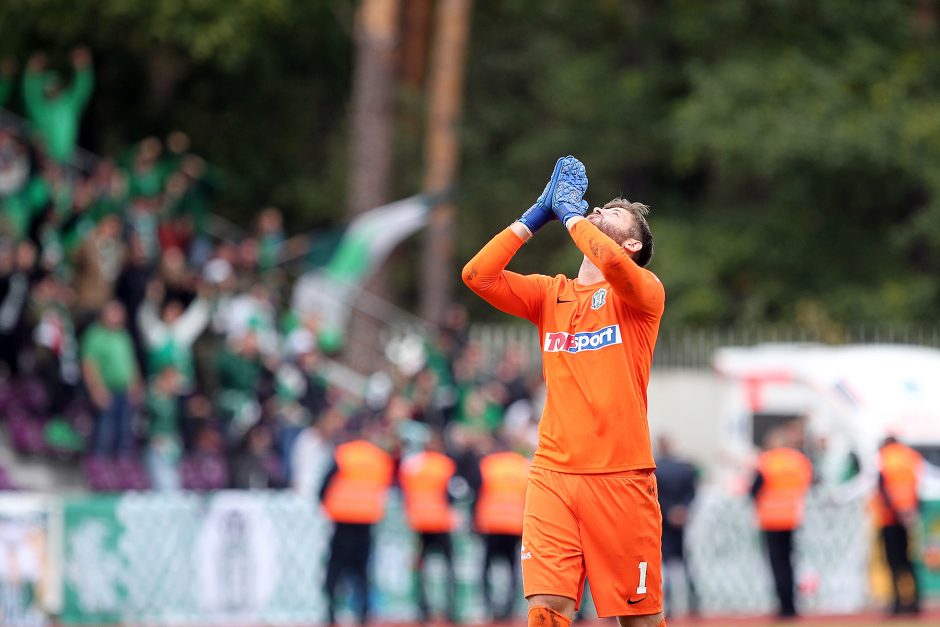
632, 602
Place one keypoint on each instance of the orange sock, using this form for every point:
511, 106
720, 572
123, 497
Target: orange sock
547, 617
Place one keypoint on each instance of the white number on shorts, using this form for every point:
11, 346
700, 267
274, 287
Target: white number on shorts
641, 589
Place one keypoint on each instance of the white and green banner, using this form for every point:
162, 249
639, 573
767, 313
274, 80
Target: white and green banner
329, 291
232, 557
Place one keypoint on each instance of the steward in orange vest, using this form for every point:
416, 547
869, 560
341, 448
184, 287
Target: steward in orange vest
899, 469
499, 509
353, 495
896, 506
424, 478
783, 478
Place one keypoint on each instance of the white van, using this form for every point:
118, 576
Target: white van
846, 399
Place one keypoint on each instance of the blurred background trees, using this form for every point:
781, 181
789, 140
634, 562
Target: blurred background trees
790, 149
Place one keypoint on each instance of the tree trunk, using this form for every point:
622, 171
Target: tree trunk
376, 37
371, 150
442, 152
414, 52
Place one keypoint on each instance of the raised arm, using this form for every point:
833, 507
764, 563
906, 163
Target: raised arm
487, 276
486, 273
84, 81
151, 327
638, 287
193, 322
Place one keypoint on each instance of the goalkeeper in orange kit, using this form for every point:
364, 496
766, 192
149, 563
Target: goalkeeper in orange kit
591, 505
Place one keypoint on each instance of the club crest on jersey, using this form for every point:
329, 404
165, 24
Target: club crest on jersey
600, 297
562, 341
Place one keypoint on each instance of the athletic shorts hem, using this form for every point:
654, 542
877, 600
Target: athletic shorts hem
629, 612
577, 602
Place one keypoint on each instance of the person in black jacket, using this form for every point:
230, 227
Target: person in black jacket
17, 276
676, 479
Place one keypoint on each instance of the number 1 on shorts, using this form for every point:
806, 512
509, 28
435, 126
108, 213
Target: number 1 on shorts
641, 589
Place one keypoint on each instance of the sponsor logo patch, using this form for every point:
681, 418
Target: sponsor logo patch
600, 297
562, 341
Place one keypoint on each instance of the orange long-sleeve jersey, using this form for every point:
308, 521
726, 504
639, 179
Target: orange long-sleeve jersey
597, 347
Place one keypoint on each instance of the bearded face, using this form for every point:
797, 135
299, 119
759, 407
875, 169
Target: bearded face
612, 225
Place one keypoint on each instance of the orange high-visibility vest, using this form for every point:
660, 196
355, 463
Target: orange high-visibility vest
501, 504
900, 466
358, 490
787, 476
424, 478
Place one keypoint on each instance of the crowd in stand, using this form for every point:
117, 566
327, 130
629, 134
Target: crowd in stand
152, 355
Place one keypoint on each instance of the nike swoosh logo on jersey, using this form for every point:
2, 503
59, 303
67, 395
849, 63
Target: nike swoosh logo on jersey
558, 300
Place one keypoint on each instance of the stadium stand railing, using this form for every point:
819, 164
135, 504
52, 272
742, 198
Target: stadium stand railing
693, 348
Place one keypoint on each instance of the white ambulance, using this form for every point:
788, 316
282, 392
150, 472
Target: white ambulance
844, 399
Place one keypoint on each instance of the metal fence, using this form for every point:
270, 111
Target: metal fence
690, 348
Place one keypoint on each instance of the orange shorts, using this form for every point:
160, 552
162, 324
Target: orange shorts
606, 527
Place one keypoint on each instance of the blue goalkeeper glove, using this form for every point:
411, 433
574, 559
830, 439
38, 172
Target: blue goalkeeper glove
567, 199
541, 213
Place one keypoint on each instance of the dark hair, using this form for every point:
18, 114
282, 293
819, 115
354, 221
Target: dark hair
641, 228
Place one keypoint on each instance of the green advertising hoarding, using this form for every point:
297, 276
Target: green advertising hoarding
928, 565
236, 557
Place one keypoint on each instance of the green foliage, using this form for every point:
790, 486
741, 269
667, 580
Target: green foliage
261, 86
790, 149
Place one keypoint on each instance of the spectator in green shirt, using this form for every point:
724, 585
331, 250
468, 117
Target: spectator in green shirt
165, 446
56, 111
112, 378
241, 374
146, 175
479, 411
